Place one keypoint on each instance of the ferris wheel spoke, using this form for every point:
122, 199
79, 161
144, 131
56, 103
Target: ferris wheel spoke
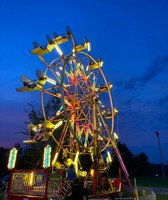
56, 95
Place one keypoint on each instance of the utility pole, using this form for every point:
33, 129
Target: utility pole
163, 172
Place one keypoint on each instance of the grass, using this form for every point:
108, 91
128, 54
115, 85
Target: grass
152, 182
161, 197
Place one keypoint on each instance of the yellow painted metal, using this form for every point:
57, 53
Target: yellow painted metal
94, 66
60, 39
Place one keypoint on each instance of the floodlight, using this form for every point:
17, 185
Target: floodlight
115, 111
100, 62
76, 161
58, 50
87, 43
51, 81
109, 156
58, 124
55, 158
76, 158
115, 136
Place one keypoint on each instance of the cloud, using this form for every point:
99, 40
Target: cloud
157, 66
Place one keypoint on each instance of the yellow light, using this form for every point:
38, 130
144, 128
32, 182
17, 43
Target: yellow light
76, 162
58, 49
58, 124
88, 46
110, 85
31, 178
109, 156
73, 52
87, 68
51, 81
100, 62
59, 111
115, 136
100, 138
76, 157
115, 112
92, 172
55, 159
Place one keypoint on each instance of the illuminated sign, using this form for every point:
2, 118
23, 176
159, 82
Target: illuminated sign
47, 156
12, 158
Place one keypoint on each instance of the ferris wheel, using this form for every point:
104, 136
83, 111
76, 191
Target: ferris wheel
86, 112
77, 79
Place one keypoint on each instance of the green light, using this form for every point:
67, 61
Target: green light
12, 158
47, 157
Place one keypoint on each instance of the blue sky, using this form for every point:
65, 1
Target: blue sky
131, 36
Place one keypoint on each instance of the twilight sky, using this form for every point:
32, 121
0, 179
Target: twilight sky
131, 36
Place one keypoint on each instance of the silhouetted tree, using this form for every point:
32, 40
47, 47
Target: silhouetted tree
142, 165
127, 157
31, 156
137, 165
4, 155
